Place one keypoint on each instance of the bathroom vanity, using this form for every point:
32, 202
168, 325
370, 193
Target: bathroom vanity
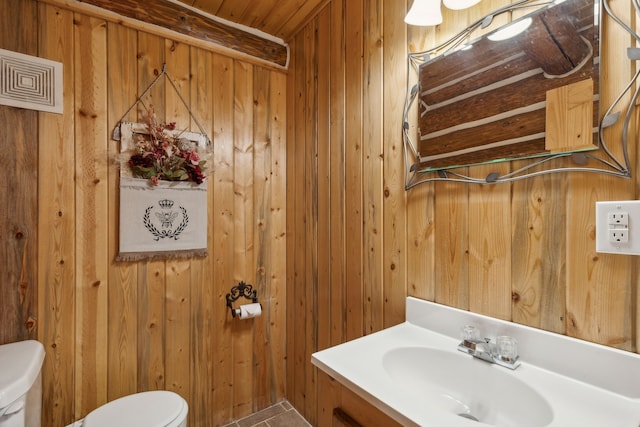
415, 374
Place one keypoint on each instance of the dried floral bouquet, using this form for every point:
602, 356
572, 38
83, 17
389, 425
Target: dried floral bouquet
163, 155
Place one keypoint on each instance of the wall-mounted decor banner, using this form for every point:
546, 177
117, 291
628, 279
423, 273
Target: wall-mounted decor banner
167, 217
164, 221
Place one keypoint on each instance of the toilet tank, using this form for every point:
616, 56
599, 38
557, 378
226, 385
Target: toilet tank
21, 384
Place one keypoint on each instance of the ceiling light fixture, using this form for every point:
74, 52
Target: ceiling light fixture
424, 13
460, 4
427, 13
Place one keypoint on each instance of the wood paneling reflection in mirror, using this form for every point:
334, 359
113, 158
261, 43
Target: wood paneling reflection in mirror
535, 93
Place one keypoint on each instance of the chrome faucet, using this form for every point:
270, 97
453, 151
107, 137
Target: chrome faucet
485, 350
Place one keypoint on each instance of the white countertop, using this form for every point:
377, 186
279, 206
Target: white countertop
585, 384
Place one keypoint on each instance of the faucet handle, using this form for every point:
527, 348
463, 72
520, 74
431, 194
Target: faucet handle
507, 348
470, 333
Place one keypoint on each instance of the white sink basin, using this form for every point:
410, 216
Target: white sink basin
415, 374
467, 387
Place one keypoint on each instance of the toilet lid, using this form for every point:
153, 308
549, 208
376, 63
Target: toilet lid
146, 409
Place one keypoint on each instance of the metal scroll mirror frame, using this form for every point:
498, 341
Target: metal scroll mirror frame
601, 159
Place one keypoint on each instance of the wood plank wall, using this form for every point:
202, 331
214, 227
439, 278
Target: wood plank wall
18, 218
307, 164
360, 244
114, 328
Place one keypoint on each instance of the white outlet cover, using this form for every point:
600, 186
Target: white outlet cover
603, 226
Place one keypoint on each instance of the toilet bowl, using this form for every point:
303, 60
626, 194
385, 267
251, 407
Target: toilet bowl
146, 409
21, 396
21, 383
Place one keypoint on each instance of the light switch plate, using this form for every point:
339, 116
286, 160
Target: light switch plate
618, 237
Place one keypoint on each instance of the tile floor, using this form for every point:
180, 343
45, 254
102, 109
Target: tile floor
279, 415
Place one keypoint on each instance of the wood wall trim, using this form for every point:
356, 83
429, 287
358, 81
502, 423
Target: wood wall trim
178, 22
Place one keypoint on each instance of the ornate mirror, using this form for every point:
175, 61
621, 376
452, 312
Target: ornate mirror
527, 90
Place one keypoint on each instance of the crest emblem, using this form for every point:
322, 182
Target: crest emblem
165, 217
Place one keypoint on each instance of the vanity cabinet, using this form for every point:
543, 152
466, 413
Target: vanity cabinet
340, 407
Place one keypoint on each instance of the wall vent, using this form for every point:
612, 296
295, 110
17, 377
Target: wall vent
30, 82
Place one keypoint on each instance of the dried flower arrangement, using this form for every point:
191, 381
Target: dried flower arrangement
163, 155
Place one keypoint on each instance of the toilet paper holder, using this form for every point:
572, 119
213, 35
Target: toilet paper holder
242, 289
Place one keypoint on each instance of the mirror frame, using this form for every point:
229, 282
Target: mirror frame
600, 160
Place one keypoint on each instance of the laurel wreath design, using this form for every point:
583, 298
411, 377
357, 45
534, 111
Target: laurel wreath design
161, 234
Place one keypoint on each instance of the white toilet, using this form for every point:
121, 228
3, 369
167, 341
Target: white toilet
21, 396
21, 384
147, 409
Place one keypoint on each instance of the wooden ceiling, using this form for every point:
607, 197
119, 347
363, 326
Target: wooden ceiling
277, 21
280, 18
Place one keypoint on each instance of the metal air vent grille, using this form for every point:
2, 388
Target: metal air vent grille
30, 82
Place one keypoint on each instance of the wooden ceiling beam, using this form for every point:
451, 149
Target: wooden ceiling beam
186, 21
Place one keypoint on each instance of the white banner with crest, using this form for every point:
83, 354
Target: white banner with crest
162, 221
160, 218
